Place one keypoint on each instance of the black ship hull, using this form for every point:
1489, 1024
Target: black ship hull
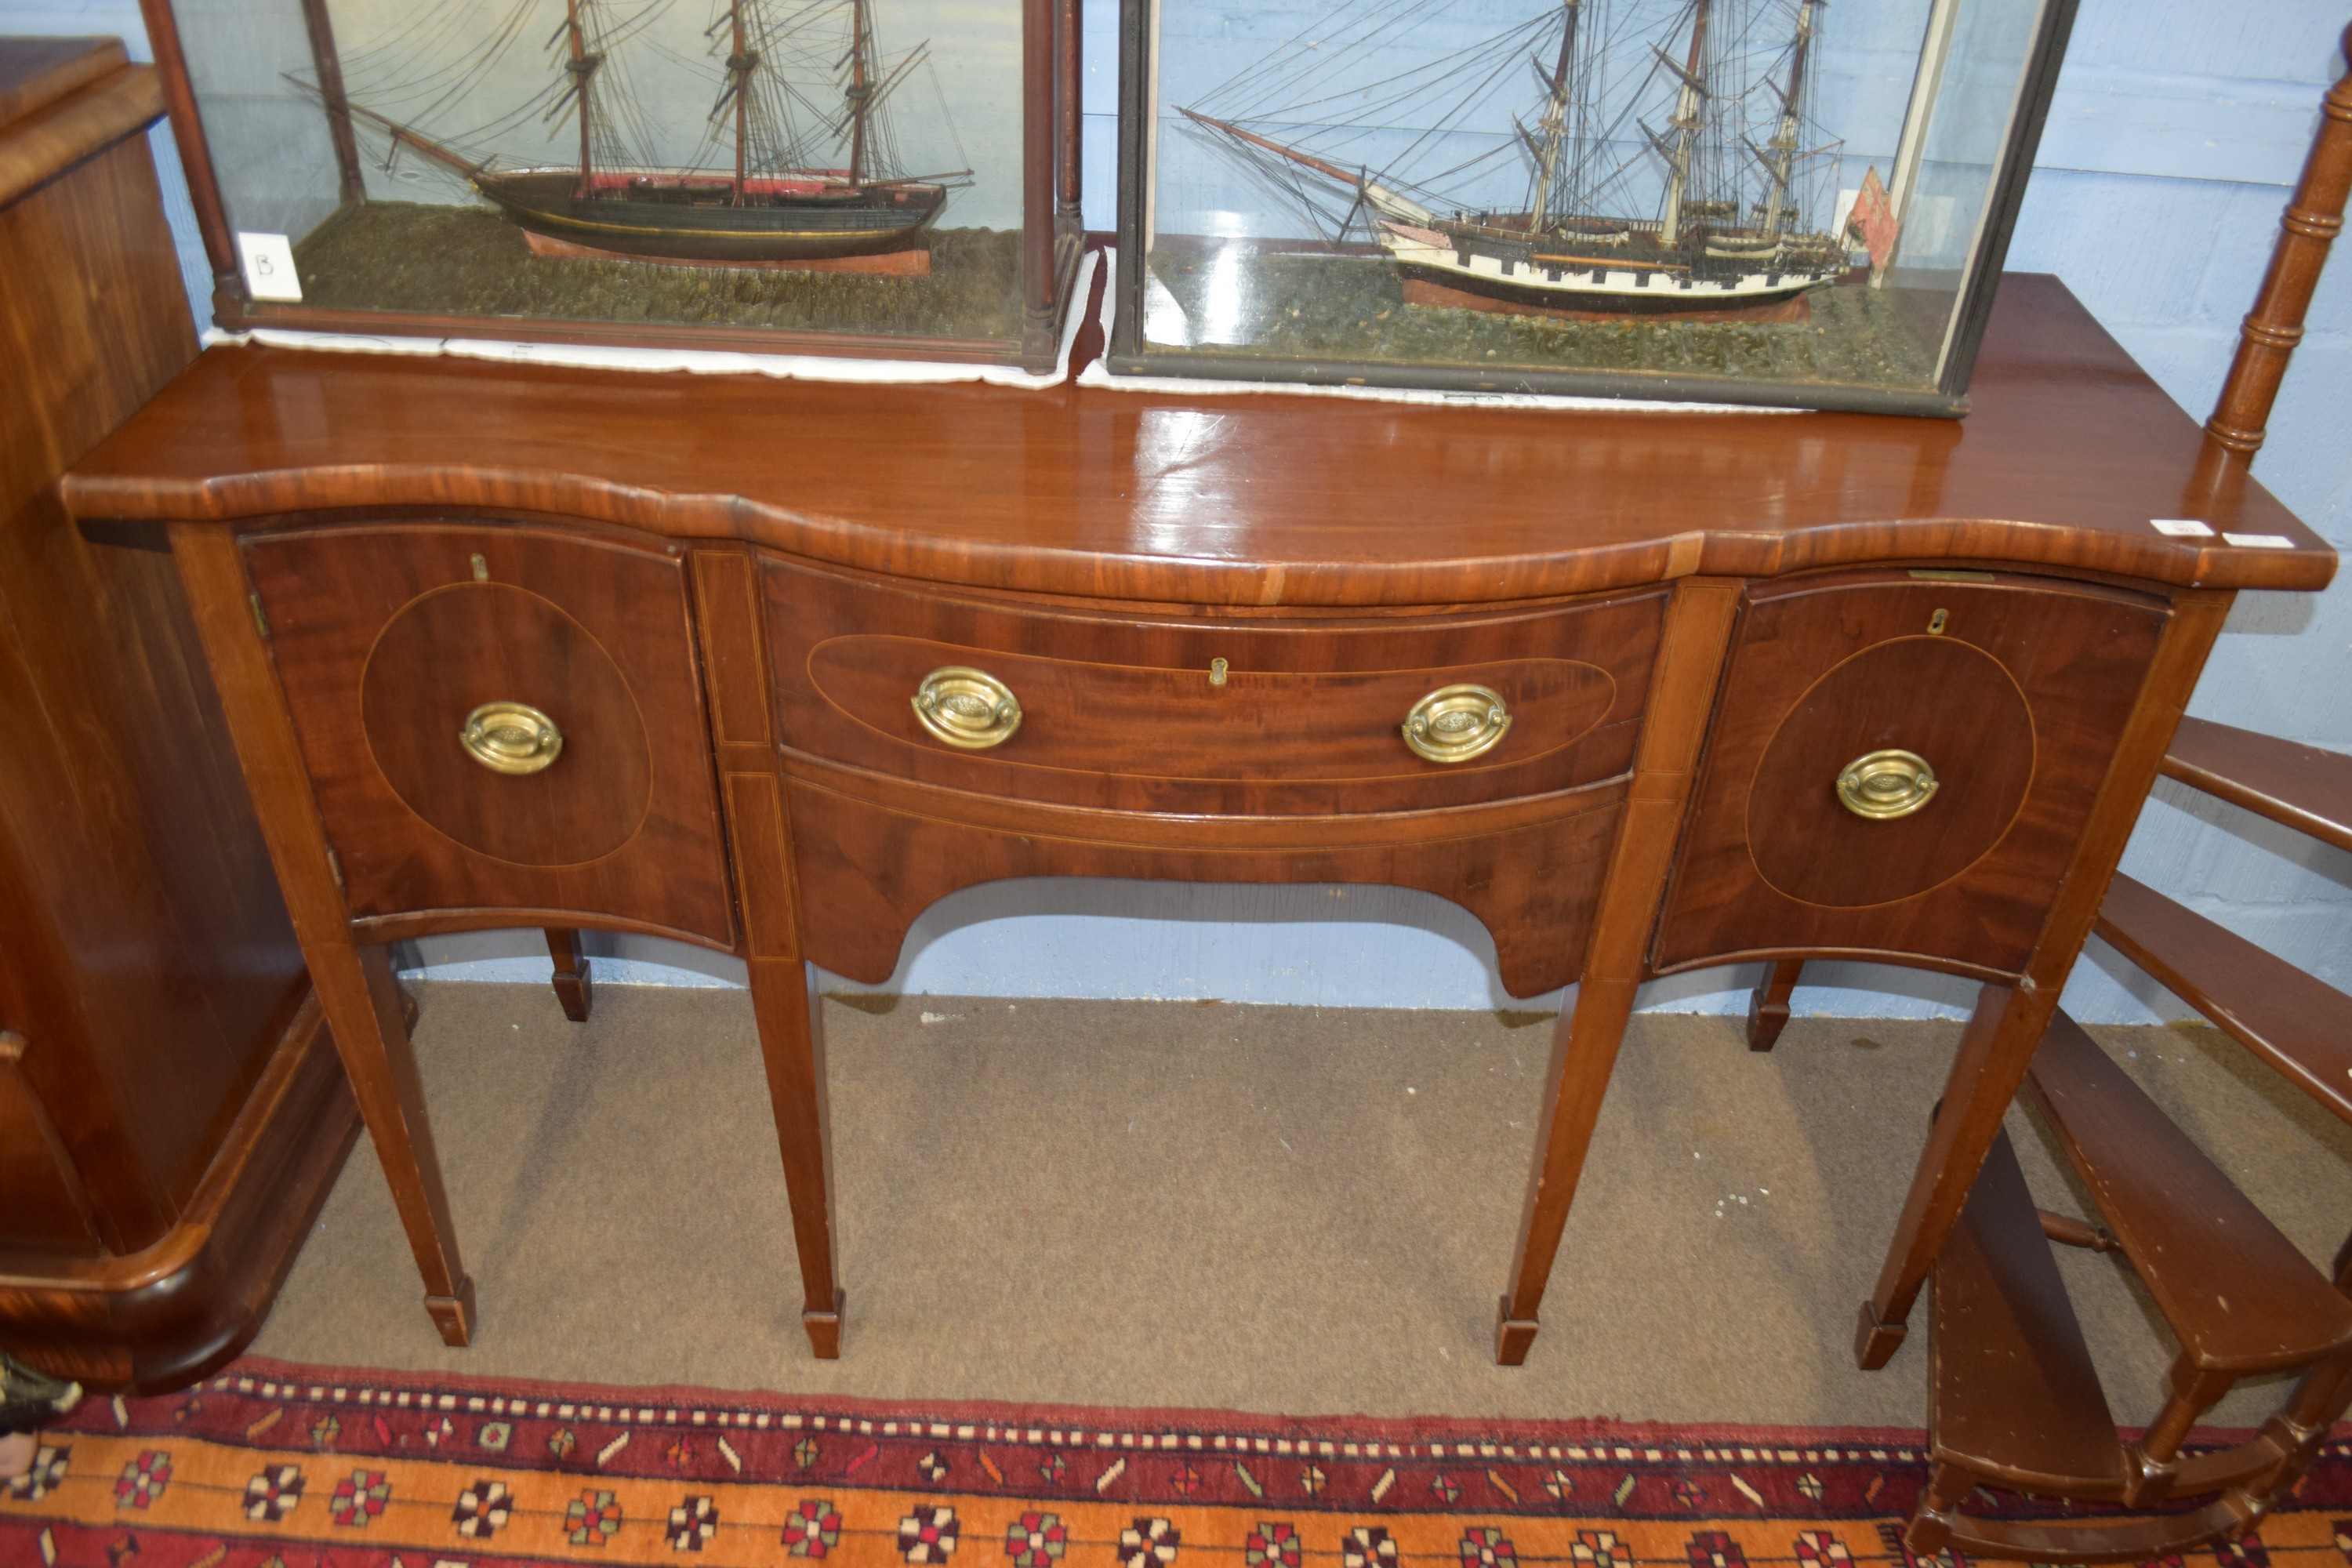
661, 216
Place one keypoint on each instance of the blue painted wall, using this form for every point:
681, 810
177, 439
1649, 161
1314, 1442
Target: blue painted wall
2178, 127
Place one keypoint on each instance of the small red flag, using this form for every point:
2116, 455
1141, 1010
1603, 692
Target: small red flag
1873, 220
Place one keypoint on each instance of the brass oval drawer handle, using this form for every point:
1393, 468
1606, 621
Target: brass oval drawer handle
1883, 785
510, 737
1456, 723
968, 709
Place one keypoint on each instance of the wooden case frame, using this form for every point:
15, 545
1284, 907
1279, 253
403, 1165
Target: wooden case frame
1127, 352
1053, 235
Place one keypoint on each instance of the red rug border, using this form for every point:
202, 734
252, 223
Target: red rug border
1397, 1429
1585, 1430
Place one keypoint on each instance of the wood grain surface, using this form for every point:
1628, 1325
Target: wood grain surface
387, 638
1256, 500
2012, 1394
169, 1112
2238, 1295
873, 853
1098, 551
36, 72
2292, 1019
2272, 329
71, 111
1120, 711
2304, 787
2016, 702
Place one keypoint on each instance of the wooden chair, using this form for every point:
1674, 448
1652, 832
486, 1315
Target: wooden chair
2013, 1399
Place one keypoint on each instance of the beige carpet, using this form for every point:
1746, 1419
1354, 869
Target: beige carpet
1277, 1209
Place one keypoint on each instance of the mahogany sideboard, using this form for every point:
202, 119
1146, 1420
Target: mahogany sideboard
771, 666
170, 1111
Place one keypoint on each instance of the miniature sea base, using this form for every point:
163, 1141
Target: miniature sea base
1242, 304
470, 261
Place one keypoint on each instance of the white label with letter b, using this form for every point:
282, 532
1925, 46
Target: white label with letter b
269, 266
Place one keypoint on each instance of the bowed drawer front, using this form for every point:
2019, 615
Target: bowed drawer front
937, 739
1901, 764
499, 719
1222, 717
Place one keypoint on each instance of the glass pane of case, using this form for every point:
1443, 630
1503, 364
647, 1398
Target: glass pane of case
1766, 199
826, 166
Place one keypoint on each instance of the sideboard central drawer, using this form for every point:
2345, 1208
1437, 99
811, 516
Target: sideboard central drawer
1223, 717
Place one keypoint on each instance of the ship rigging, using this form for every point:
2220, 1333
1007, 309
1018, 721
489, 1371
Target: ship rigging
1734, 224
797, 161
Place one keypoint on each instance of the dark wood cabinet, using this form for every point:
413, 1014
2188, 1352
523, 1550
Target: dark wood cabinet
170, 1113
1639, 693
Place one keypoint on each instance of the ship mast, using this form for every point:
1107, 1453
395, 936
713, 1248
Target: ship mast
583, 66
740, 63
1690, 111
1555, 119
1784, 138
861, 89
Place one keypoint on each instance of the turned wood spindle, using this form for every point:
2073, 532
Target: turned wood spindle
2314, 217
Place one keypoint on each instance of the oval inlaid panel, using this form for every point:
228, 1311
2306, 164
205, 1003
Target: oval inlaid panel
1953, 705
447, 652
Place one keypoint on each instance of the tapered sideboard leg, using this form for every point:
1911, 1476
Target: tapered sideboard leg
1995, 1050
363, 1003
1583, 1054
572, 978
792, 1034
1585, 1038
1767, 1007
366, 1013
792, 1042
371, 1030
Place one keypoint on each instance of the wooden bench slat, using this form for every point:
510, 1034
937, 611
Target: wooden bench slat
2237, 1293
2305, 787
2299, 1024
2011, 1390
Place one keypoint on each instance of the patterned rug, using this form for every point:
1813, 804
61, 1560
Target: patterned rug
274, 1465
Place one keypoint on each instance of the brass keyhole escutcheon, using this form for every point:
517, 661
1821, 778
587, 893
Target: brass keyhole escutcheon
510, 737
1883, 786
968, 709
1217, 668
1456, 723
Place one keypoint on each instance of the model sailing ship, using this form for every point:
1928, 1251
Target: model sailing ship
1733, 230
777, 205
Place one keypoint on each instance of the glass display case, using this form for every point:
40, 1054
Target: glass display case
873, 178
1743, 201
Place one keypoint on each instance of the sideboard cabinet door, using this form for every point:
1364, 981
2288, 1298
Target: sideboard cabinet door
1969, 717
585, 783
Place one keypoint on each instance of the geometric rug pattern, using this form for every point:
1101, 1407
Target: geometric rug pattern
267, 1464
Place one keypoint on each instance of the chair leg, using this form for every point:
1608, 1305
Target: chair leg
1995, 1050
571, 977
1767, 1007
